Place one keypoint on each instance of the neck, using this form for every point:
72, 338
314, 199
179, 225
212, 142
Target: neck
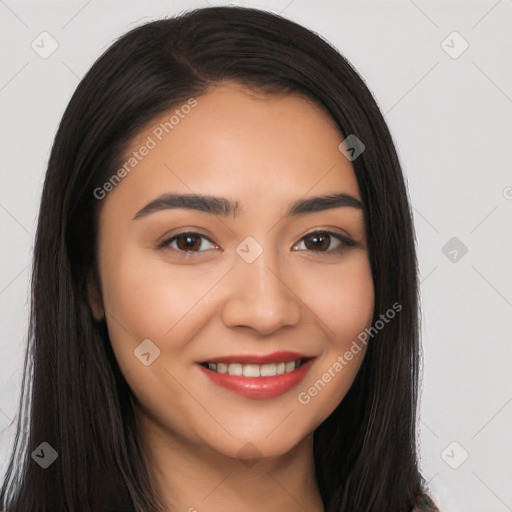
196, 478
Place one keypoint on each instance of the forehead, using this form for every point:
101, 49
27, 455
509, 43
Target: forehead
240, 142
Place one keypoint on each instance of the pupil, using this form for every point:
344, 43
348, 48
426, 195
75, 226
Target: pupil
318, 239
189, 242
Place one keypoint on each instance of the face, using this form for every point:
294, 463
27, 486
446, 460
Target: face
276, 284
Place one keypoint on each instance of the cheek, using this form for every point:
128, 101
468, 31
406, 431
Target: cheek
343, 301
342, 297
149, 298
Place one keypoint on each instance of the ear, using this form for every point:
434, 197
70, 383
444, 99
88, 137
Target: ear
94, 297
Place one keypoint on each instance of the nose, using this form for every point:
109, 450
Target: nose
260, 297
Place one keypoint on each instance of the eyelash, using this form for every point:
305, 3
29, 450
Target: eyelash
345, 241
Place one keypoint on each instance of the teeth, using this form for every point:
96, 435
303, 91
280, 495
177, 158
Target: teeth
254, 370
268, 369
250, 370
235, 369
290, 366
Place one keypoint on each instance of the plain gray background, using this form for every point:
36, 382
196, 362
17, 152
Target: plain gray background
450, 114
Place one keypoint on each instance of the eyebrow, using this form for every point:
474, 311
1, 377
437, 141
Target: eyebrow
225, 208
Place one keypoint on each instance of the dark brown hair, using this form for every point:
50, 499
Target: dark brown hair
74, 395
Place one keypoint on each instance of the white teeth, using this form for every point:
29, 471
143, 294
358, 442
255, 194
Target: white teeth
251, 370
290, 366
235, 369
267, 370
254, 370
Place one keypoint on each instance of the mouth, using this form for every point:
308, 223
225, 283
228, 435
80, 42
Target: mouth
258, 376
254, 369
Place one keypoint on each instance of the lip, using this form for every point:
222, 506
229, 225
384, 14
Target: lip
259, 387
284, 356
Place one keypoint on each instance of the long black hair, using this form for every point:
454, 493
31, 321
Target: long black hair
74, 396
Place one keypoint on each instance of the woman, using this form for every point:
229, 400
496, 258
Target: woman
225, 311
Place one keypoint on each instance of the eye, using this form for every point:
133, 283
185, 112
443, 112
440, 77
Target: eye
190, 242
321, 241
187, 242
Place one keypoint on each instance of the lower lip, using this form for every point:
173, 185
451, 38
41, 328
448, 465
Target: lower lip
260, 387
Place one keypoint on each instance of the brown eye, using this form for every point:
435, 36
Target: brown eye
187, 242
321, 241
318, 242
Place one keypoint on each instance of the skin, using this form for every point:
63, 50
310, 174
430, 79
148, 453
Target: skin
263, 151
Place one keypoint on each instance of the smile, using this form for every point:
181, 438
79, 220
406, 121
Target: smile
258, 376
254, 370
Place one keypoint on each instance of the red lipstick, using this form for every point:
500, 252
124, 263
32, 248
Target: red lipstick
275, 357
264, 386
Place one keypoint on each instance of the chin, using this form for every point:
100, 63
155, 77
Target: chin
253, 446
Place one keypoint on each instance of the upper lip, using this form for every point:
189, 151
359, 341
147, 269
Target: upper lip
273, 357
